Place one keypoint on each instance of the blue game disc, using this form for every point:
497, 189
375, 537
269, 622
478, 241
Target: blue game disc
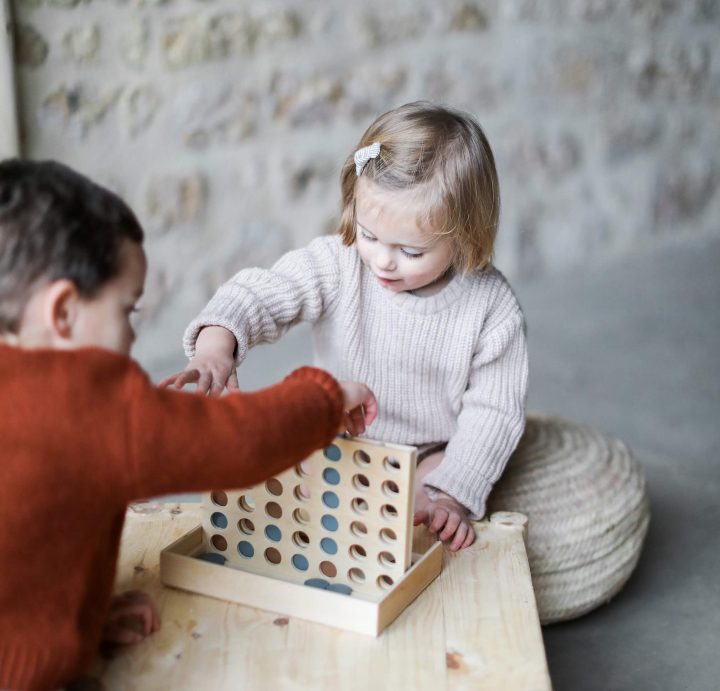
341, 588
331, 476
329, 522
246, 549
300, 562
331, 500
328, 546
333, 453
272, 532
219, 520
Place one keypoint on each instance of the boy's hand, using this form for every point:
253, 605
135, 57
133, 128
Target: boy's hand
131, 619
213, 367
448, 518
360, 407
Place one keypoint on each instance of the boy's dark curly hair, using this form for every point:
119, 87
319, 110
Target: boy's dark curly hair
54, 224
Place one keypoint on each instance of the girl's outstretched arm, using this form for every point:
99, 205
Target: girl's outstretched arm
260, 305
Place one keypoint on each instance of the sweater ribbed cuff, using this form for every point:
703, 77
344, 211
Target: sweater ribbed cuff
475, 501
331, 388
28, 667
196, 326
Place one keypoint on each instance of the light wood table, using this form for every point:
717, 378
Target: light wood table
475, 627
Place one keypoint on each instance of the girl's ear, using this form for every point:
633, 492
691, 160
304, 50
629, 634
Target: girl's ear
60, 310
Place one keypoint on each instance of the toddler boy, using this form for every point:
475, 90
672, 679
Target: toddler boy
83, 431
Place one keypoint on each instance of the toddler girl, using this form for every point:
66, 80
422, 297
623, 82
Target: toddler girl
406, 299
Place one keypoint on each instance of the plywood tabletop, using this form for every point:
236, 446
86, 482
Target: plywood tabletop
475, 627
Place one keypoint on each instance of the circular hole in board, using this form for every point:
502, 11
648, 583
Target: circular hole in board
300, 562
388, 535
384, 582
327, 568
360, 482
357, 552
303, 469
246, 503
358, 528
392, 465
301, 539
219, 520
245, 525
302, 492
274, 487
361, 458
386, 559
359, 505
331, 500
301, 516
245, 549
329, 522
273, 509
390, 488
389, 512
219, 542
272, 532
356, 575
331, 476
333, 453
219, 498
272, 555
328, 545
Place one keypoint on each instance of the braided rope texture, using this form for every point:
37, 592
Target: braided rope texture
587, 503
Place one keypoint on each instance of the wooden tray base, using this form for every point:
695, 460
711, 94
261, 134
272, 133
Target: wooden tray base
180, 568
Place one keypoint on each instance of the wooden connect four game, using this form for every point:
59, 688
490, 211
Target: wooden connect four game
341, 520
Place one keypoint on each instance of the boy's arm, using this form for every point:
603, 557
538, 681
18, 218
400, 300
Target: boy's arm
183, 442
492, 418
259, 305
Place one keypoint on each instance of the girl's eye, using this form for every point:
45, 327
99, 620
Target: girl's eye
412, 255
367, 236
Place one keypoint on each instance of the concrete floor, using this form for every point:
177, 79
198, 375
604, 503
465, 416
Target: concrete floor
632, 348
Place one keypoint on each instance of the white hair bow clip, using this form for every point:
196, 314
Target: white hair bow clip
362, 156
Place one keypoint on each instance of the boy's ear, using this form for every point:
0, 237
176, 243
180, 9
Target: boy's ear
60, 311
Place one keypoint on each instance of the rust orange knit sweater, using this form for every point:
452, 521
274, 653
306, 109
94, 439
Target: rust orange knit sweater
82, 433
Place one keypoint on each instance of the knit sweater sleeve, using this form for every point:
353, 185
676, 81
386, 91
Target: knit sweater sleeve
492, 417
184, 442
259, 305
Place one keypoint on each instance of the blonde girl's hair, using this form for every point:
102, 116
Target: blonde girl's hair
445, 154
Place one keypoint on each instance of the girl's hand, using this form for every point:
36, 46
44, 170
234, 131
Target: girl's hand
360, 407
132, 618
449, 519
213, 367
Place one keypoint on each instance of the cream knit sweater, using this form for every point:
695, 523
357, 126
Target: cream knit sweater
447, 367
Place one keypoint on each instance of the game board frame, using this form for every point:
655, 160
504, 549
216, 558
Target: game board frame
390, 569
180, 568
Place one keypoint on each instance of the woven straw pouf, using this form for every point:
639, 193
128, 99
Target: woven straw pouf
585, 497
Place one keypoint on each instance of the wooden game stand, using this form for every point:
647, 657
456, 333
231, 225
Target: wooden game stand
180, 568
474, 627
340, 521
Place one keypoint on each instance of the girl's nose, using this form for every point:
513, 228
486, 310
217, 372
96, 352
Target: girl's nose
385, 260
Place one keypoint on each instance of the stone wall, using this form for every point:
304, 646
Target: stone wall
224, 122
